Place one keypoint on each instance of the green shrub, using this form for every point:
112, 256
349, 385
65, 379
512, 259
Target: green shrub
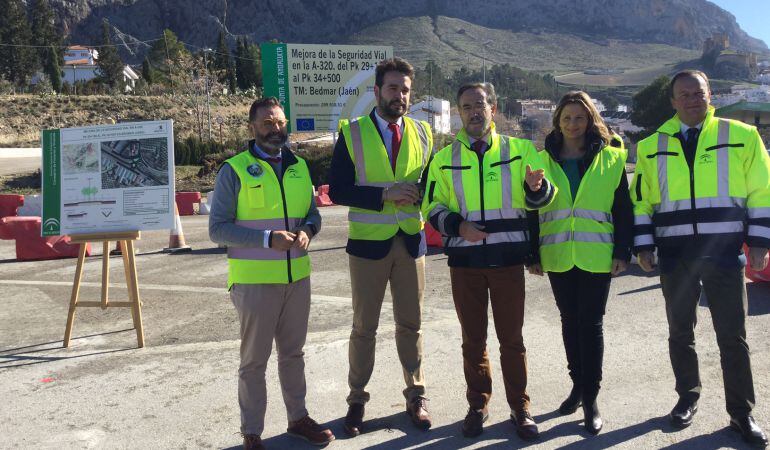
318, 158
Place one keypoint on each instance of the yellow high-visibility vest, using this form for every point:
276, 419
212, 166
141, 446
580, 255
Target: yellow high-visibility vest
728, 187
264, 203
370, 158
579, 231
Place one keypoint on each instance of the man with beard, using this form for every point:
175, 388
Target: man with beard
376, 168
265, 213
478, 193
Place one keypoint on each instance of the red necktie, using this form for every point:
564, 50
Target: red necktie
395, 143
479, 147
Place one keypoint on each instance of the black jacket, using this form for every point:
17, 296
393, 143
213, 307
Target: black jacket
622, 208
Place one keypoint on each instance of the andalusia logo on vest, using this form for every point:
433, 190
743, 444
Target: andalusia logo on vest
255, 170
292, 173
706, 159
491, 176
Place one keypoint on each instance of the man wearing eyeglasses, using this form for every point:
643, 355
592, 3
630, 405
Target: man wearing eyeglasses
478, 191
264, 211
702, 188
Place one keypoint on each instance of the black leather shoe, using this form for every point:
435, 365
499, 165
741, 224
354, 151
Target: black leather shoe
749, 430
573, 401
526, 427
354, 419
593, 420
473, 424
682, 414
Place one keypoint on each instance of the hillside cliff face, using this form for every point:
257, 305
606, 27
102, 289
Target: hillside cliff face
682, 23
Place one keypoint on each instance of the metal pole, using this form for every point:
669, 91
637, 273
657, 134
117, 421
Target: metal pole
484, 62
208, 97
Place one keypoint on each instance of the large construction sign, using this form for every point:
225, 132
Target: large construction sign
319, 84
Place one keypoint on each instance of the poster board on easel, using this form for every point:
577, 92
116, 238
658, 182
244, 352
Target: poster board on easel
107, 183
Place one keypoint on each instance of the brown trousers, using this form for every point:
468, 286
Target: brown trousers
472, 290
369, 278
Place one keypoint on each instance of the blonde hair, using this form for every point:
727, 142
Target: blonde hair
596, 125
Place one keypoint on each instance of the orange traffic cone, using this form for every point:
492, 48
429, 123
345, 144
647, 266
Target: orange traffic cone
176, 243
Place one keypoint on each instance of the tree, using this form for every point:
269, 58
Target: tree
431, 81
222, 59
52, 68
232, 84
48, 41
146, 71
167, 56
17, 62
248, 65
109, 62
238, 60
223, 64
652, 106
44, 28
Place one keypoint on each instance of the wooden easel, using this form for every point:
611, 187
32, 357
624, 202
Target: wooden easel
126, 241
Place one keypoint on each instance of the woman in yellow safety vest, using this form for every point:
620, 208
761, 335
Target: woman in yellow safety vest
585, 237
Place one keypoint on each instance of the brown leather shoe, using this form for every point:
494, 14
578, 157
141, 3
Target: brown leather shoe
418, 411
473, 424
307, 429
354, 419
526, 427
252, 442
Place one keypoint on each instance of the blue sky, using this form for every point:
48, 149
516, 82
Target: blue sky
752, 15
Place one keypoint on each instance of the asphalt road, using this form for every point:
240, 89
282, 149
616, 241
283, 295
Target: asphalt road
180, 390
14, 165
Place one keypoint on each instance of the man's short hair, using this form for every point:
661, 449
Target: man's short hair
489, 88
265, 102
689, 73
392, 65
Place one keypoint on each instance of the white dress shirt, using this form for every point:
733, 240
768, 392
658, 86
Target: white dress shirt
387, 135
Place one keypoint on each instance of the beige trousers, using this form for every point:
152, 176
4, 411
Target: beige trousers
369, 279
267, 312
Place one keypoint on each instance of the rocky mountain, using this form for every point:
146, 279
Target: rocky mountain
680, 23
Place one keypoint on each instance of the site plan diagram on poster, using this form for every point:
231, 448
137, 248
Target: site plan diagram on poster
108, 178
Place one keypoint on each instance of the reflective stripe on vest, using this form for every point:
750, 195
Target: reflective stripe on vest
358, 152
643, 239
383, 219
599, 216
262, 253
493, 238
579, 236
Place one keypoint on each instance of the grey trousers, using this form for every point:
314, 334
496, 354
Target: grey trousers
267, 312
726, 293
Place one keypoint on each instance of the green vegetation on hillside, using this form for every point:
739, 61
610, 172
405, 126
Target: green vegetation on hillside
453, 43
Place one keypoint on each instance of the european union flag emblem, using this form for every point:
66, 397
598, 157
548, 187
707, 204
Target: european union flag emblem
305, 124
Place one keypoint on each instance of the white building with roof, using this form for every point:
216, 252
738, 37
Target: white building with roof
435, 111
